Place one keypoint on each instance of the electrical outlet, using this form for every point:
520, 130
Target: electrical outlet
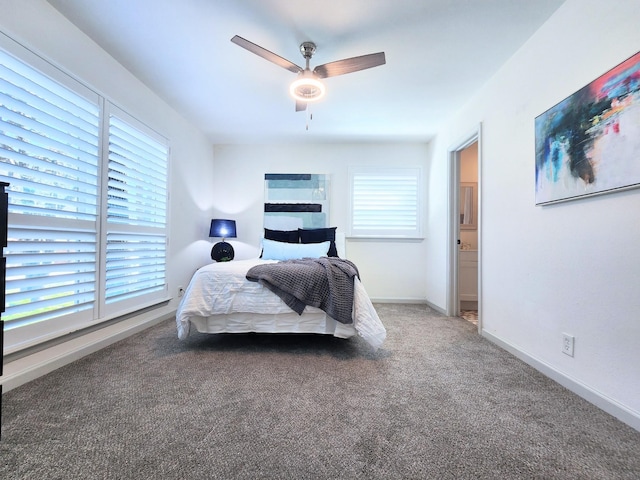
568, 342
180, 291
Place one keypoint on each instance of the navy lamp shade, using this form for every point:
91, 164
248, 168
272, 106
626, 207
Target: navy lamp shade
222, 251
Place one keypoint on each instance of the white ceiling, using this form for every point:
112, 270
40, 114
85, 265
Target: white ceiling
438, 53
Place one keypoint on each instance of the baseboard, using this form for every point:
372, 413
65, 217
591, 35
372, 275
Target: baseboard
419, 301
438, 309
30, 367
618, 410
414, 301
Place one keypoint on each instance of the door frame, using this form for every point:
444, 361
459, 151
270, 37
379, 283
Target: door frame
454, 222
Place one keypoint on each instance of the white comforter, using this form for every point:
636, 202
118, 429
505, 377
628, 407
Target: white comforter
222, 288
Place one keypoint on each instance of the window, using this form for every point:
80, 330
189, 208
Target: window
385, 202
136, 214
87, 229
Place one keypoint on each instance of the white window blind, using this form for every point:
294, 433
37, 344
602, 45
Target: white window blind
87, 204
136, 213
49, 142
385, 202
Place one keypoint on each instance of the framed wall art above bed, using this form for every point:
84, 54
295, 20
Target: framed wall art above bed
296, 200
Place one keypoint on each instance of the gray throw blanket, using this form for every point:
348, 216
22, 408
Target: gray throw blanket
325, 283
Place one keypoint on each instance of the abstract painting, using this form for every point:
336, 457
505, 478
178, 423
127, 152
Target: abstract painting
589, 143
296, 200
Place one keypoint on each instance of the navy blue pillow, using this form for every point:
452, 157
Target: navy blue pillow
319, 235
288, 236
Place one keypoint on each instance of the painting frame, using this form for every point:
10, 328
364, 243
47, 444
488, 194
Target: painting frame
587, 144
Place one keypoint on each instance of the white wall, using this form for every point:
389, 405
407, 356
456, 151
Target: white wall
572, 267
39, 27
390, 270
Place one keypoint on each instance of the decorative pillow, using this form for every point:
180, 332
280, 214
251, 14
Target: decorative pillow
289, 236
317, 235
272, 250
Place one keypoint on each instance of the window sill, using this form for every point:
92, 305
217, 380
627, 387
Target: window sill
374, 238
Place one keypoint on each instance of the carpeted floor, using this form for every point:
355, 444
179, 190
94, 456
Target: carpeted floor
436, 402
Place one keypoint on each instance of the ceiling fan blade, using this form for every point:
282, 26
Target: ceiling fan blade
349, 65
266, 54
301, 106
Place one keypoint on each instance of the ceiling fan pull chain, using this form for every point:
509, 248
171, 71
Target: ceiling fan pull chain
309, 117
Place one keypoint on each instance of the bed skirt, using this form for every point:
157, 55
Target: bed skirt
308, 322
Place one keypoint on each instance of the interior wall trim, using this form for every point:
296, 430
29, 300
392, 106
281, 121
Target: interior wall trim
591, 395
419, 301
30, 367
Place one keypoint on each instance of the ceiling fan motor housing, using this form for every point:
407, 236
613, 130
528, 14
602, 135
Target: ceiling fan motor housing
307, 49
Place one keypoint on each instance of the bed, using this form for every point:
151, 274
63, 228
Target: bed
220, 299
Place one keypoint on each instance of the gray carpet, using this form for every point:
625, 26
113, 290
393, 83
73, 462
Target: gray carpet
438, 401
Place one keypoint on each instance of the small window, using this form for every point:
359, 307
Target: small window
385, 202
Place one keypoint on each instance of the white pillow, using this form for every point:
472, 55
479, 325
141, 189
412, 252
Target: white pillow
272, 250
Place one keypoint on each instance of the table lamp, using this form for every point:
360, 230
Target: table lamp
222, 251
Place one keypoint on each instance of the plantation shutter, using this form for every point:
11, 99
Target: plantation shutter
385, 202
136, 236
87, 223
49, 155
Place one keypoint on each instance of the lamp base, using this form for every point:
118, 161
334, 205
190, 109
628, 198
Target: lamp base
222, 252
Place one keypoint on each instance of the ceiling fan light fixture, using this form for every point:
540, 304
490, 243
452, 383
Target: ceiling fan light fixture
307, 88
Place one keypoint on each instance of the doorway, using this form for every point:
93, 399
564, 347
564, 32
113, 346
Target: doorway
468, 234
464, 232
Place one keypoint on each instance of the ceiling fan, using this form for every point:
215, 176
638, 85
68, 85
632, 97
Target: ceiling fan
308, 87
